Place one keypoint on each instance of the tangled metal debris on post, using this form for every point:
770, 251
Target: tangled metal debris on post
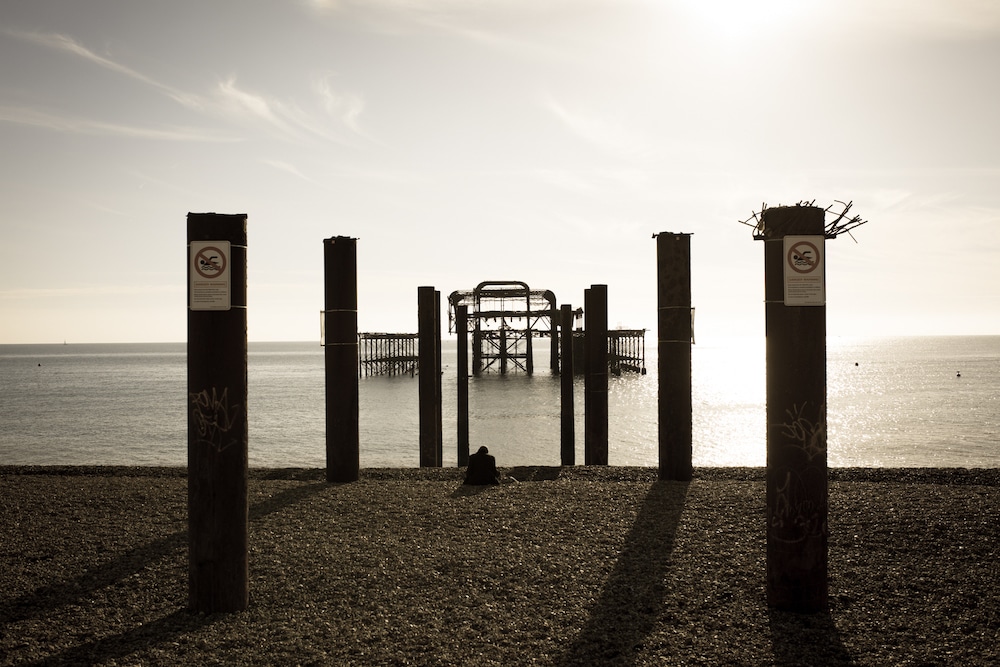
837, 222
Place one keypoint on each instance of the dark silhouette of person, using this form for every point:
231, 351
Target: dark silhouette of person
482, 468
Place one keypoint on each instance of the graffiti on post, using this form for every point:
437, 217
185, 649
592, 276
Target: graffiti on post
804, 433
213, 418
797, 514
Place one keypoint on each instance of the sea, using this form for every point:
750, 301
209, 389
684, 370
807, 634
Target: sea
891, 402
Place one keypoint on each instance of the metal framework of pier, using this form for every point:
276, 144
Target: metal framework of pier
504, 317
387, 354
627, 351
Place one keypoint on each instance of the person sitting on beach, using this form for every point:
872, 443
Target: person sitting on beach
482, 468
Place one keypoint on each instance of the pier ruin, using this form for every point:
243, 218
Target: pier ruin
504, 318
387, 354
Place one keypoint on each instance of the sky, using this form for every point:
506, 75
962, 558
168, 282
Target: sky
462, 141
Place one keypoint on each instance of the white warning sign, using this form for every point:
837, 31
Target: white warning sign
805, 284
209, 271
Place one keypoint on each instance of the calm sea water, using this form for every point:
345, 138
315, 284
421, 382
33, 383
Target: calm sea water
892, 402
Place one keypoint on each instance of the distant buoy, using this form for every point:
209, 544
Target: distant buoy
958, 374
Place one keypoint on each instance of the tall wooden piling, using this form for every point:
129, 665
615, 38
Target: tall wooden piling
438, 378
342, 358
462, 376
429, 318
797, 474
595, 309
477, 347
674, 335
217, 413
503, 350
567, 439
554, 328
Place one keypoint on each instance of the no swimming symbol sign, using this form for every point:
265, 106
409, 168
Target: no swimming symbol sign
209, 275
805, 283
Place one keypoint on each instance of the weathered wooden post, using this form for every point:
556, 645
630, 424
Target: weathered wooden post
795, 309
595, 309
529, 356
673, 281
554, 324
218, 510
567, 440
462, 329
340, 334
438, 378
429, 318
477, 345
503, 348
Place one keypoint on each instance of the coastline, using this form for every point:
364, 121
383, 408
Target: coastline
582, 565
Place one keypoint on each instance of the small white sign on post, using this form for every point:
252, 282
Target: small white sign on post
805, 284
209, 270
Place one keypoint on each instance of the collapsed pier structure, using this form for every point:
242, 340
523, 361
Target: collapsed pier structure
387, 354
503, 317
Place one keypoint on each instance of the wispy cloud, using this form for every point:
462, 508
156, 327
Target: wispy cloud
607, 135
288, 168
69, 45
70, 124
287, 119
240, 103
227, 100
502, 25
345, 107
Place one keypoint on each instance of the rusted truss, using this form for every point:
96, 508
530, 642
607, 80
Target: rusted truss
387, 354
504, 317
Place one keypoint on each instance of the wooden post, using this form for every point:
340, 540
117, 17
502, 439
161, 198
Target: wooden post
503, 347
529, 359
438, 380
596, 375
341, 356
429, 374
797, 475
462, 329
567, 447
554, 324
477, 346
218, 510
673, 281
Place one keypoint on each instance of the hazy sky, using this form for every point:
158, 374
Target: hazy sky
464, 141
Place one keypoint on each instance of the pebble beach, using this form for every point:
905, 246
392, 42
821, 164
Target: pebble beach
556, 566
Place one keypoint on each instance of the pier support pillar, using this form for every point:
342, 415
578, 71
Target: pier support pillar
554, 327
340, 340
797, 474
567, 439
218, 512
462, 329
595, 309
429, 371
674, 335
